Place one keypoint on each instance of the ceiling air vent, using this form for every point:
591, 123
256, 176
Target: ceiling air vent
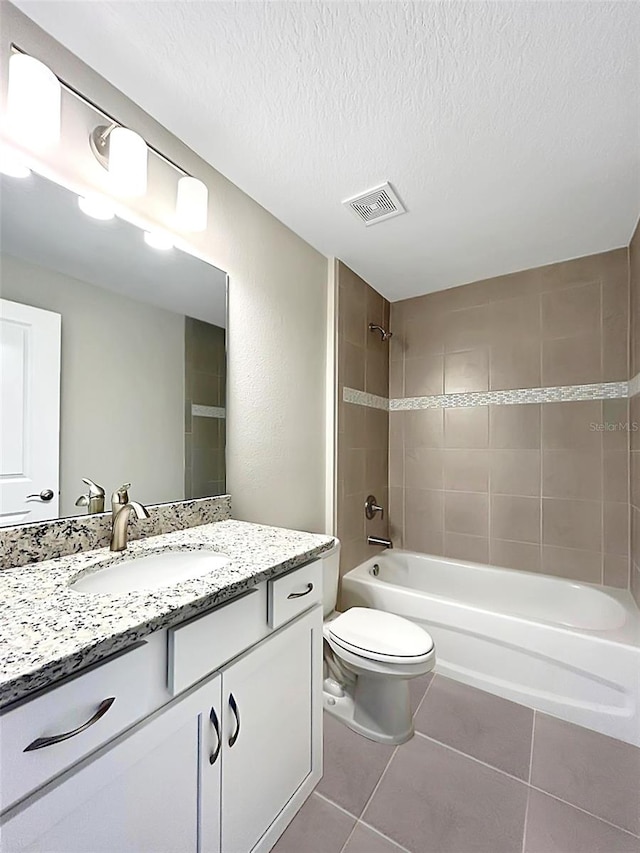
375, 205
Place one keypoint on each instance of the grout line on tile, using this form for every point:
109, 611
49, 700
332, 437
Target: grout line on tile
526, 811
373, 793
526, 820
584, 811
523, 782
472, 758
348, 838
332, 803
382, 835
490, 458
533, 734
541, 336
541, 472
424, 696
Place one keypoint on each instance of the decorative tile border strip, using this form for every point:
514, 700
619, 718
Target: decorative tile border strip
361, 398
516, 396
208, 411
511, 397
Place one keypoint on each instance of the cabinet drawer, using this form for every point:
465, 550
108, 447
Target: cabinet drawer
205, 643
294, 593
133, 680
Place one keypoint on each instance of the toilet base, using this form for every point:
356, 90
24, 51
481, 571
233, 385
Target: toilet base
378, 708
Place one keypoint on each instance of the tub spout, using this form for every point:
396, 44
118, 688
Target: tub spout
379, 540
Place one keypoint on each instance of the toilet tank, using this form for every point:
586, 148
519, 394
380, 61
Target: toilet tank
330, 577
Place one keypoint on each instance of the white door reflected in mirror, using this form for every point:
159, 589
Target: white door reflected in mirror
30, 407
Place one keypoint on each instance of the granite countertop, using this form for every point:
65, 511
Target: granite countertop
49, 631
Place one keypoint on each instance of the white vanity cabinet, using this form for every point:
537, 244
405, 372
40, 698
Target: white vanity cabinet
220, 768
278, 734
139, 795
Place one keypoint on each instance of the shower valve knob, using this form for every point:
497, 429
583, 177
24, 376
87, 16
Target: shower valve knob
371, 507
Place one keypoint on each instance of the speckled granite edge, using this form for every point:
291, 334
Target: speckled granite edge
46, 540
50, 631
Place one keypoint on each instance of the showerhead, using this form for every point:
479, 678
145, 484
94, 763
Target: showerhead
384, 334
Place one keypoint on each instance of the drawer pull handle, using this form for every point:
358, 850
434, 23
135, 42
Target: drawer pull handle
300, 594
41, 742
216, 727
236, 713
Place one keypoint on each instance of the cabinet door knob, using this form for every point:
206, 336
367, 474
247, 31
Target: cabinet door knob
300, 594
45, 495
236, 713
41, 742
213, 717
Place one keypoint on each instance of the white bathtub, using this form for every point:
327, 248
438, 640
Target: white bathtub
569, 649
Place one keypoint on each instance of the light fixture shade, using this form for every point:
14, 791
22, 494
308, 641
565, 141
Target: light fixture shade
191, 204
33, 102
127, 162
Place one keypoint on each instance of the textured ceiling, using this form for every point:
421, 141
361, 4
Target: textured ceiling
511, 130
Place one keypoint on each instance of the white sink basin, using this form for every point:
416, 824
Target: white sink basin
151, 571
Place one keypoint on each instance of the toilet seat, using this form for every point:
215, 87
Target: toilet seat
380, 636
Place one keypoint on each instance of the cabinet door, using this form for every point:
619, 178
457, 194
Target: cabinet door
139, 795
210, 765
270, 730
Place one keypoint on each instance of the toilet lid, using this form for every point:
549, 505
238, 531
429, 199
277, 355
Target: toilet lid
374, 632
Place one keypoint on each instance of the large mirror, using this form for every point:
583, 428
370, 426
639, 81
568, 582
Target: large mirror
113, 361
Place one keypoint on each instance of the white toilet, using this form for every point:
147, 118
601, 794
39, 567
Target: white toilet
371, 658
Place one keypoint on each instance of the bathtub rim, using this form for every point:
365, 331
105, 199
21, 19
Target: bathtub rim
627, 635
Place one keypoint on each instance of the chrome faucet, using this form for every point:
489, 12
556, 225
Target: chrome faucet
379, 540
120, 524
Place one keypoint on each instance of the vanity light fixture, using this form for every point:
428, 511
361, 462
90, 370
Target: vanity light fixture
158, 241
33, 102
96, 207
191, 204
124, 154
12, 166
33, 112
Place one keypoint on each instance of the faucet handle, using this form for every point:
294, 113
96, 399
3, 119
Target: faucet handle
94, 498
371, 507
95, 491
120, 497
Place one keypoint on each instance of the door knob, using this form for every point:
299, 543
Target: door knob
45, 495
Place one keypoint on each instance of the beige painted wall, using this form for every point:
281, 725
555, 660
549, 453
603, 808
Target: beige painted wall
122, 386
277, 299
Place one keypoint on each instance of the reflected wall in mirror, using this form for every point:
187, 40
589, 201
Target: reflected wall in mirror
113, 361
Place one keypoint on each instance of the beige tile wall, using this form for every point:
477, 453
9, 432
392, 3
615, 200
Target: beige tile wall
532, 487
363, 433
634, 467
205, 385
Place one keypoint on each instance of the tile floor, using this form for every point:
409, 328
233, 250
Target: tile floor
481, 775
